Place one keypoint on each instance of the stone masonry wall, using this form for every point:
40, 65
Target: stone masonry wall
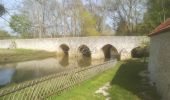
123, 44
159, 63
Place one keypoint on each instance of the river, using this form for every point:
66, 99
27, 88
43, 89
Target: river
15, 73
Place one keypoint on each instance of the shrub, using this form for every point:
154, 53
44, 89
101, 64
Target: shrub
140, 52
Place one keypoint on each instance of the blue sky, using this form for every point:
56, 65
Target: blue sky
11, 6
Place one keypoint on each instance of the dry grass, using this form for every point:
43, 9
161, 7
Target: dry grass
17, 55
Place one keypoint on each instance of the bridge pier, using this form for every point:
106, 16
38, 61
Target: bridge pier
125, 56
98, 55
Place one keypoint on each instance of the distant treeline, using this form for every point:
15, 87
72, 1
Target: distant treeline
63, 18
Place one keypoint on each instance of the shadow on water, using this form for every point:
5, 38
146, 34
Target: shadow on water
64, 61
22, 75
128, 78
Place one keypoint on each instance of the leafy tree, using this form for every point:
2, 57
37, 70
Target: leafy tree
21, 25
2, 10
141, 51
88, 24
158, 11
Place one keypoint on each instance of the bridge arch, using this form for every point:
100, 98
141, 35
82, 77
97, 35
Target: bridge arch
65, 49
85, 56
139, 52
110, 52
84, 50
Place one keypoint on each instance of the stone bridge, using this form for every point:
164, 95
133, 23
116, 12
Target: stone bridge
96, 47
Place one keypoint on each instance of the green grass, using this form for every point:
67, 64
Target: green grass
127, 84
125, 81
17, 55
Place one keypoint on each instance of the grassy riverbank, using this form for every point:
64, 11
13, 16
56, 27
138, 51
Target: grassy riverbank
16, 55
126, 84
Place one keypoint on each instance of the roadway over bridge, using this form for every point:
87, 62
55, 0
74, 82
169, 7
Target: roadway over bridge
95, 47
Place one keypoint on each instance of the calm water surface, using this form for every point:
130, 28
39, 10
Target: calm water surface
14, 73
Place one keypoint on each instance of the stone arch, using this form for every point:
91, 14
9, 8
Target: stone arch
65, 49
135, 53
139, 52
84, 50
85, 56
110, 52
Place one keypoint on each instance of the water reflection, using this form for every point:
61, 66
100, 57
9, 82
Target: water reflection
15, 73
6, 76
84, 61
64, 61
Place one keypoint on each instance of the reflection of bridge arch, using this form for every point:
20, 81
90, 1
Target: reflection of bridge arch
85, 51
110, 51
64, 61
65, 49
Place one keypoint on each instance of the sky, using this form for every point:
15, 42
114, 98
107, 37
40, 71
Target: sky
11, 6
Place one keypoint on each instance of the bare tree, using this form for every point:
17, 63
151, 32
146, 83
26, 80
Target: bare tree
64, 17
127, 12
2, 10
